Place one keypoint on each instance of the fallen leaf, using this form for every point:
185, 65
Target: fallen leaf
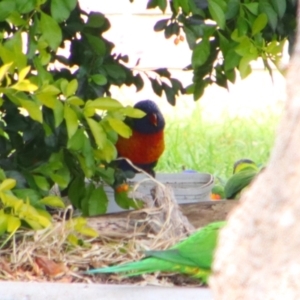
50, 267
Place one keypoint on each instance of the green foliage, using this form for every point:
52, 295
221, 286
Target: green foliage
22, 207
79, 228
58, 125
225, 36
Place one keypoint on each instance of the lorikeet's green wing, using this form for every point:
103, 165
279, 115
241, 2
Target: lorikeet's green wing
193, 256
244, 170
195, 251
237, 182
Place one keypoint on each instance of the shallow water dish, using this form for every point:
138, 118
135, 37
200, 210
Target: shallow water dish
187, 187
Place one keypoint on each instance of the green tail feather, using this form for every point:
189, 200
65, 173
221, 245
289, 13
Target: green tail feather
152, 265
147, 265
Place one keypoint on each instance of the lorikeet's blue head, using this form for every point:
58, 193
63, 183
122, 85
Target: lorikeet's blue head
153, 122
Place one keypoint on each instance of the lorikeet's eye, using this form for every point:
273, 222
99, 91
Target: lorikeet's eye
153, 119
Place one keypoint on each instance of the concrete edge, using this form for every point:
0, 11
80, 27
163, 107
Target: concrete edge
10, 290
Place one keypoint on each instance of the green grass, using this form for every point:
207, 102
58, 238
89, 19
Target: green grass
211, 146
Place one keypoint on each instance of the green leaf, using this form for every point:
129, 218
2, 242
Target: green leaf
41, 182
120, 127
16, 19
58, 112
95, 20
45, 57
172, 29
84, 205
87, 231
266, 7
98, 132
51, 31
52, 201
242, 26
96, 43
25, 86
200, 53
79, 224
30, 194
98, 202
71, 88
14, 44
107, 174
217, 13
61, 9
191, 37
132, 112
13, 223
7, 184
279, 6
25, 6
161, 25
63, 84
73, 240
62, 178
115, 71
71, 120
47, 99
99, 79
4, 69
224, 43
232, 59
244, 65
6, 8
244, 47
76, 191
87, 160
74, 100
230, 75
233, 7
125, 202
260, 23
252, 7
170, 93
184, 4
23, 73
2, 175
103, 103
33, 110
107, 153
76, 142
199, 88
162, 4
3, 222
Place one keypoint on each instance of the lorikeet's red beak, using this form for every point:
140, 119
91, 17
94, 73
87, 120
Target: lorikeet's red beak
153, 119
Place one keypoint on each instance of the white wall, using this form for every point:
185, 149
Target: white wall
133, 34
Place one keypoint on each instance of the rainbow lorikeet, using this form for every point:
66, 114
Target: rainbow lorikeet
146, 144
192, 256
244, 170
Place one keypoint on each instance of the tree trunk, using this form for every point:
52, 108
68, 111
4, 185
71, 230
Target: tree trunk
258, 254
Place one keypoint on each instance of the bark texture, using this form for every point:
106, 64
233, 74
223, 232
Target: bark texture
258, 254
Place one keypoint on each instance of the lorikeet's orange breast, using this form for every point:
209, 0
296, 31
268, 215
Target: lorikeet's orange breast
142, 148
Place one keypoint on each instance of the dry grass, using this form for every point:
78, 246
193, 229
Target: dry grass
50, 255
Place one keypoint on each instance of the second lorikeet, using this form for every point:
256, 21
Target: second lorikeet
146, 144
244, 170
192, 256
